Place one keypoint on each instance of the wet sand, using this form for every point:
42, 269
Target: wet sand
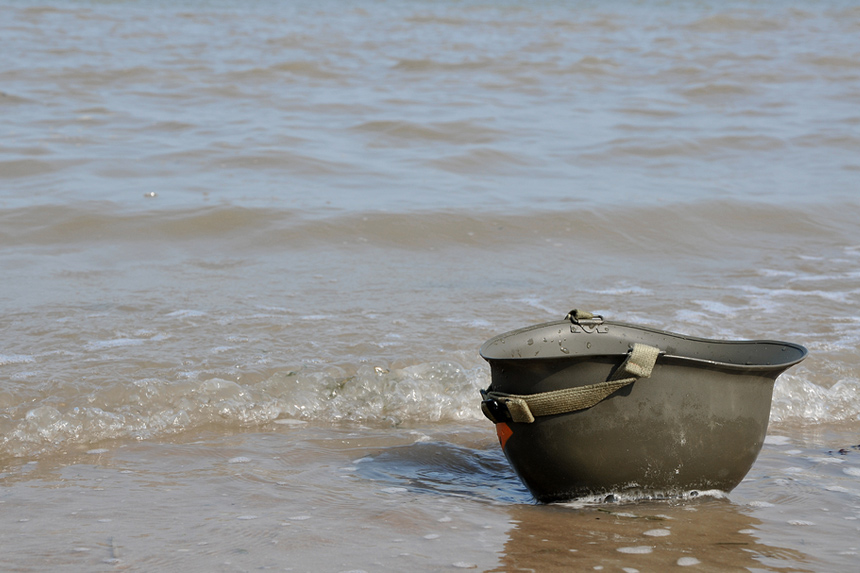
301, 497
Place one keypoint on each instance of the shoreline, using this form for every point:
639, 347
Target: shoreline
303, 497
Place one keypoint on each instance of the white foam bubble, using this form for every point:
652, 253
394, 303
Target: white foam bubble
539, 304
823, 460
394, 490
639, 495
247, 517
638, 550
777, 440
114, 343
776, 273
431, 536
657, 533
717, 308
186, 313
854, 472
801, 522
289, 422
15, 359
795, 397
239, 460
688, 561
222, 349
622, 290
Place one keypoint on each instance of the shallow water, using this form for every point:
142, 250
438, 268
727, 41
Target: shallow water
276, 233
305, 497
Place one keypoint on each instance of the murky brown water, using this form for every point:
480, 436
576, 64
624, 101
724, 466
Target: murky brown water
249, 252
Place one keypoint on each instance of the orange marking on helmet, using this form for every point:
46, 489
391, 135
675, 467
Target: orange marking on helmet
504, 432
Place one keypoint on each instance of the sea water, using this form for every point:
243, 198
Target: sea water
249, 251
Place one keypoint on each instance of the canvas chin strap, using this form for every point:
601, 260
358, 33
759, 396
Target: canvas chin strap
524, 408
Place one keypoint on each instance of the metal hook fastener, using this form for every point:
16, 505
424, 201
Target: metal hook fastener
585, 322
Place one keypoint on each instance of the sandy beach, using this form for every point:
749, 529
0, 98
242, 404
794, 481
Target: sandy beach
299, 497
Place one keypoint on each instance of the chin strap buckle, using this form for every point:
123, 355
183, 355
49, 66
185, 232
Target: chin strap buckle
584, 322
